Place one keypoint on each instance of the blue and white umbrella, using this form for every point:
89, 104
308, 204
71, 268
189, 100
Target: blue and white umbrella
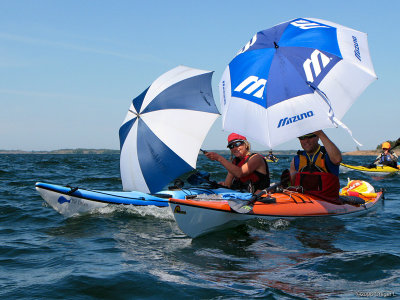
294, 78
164, 129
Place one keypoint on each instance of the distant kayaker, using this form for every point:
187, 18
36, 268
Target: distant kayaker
316, 168
246, 170
271, 157
387, 157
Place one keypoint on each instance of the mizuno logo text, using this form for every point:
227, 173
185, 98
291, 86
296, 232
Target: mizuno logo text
290, 120
356, 48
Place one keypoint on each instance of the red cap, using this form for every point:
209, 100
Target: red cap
234, 136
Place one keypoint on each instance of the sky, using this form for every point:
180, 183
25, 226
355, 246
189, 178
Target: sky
69, 69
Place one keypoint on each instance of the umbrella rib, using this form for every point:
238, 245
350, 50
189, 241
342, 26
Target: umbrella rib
135, 113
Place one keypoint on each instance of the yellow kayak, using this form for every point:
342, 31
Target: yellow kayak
379, 170
271, 161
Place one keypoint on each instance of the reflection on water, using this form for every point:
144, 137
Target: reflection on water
320, 233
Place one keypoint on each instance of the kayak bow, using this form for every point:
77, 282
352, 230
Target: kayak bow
70, 201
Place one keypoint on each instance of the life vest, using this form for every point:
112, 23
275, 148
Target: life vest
303, 163
314, 176
252, 182
385, 158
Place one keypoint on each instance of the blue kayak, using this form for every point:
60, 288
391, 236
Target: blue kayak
70, 201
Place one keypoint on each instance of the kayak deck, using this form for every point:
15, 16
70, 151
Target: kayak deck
286, 205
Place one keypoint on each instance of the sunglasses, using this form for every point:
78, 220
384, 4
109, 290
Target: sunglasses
302, 138
235, 144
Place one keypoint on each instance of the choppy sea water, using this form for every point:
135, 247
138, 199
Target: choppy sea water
122, 252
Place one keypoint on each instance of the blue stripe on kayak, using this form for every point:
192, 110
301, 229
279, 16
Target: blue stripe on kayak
133, 198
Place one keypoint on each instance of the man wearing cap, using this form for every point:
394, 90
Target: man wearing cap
316, 168
387, 156
246, 171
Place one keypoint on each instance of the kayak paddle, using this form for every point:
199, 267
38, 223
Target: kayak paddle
397, 143
245, 207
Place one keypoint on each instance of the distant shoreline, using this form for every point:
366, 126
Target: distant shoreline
63, 151
112, 151
368, 152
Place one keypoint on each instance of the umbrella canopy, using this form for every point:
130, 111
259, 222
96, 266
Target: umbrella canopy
164, 129
294, 78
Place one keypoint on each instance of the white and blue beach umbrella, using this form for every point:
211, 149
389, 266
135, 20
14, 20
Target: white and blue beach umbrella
164, 129
294, 78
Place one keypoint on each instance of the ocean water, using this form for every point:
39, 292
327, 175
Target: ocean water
122, 252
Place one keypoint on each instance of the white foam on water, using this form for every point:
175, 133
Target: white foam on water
163, 213
280, 223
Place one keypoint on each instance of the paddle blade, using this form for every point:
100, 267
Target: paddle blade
240, 206
397, 143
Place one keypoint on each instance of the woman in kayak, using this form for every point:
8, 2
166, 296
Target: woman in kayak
316, 168
387, 157
246, 170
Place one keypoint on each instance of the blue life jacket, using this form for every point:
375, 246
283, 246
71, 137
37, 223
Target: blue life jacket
384, 158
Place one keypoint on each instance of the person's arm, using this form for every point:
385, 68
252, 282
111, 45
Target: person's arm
393, 155
228, 180
334, 153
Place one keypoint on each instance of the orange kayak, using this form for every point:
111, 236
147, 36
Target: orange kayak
201, 214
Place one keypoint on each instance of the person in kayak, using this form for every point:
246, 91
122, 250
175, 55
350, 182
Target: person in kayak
316, 168
246, 170
387, 157
271, 157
